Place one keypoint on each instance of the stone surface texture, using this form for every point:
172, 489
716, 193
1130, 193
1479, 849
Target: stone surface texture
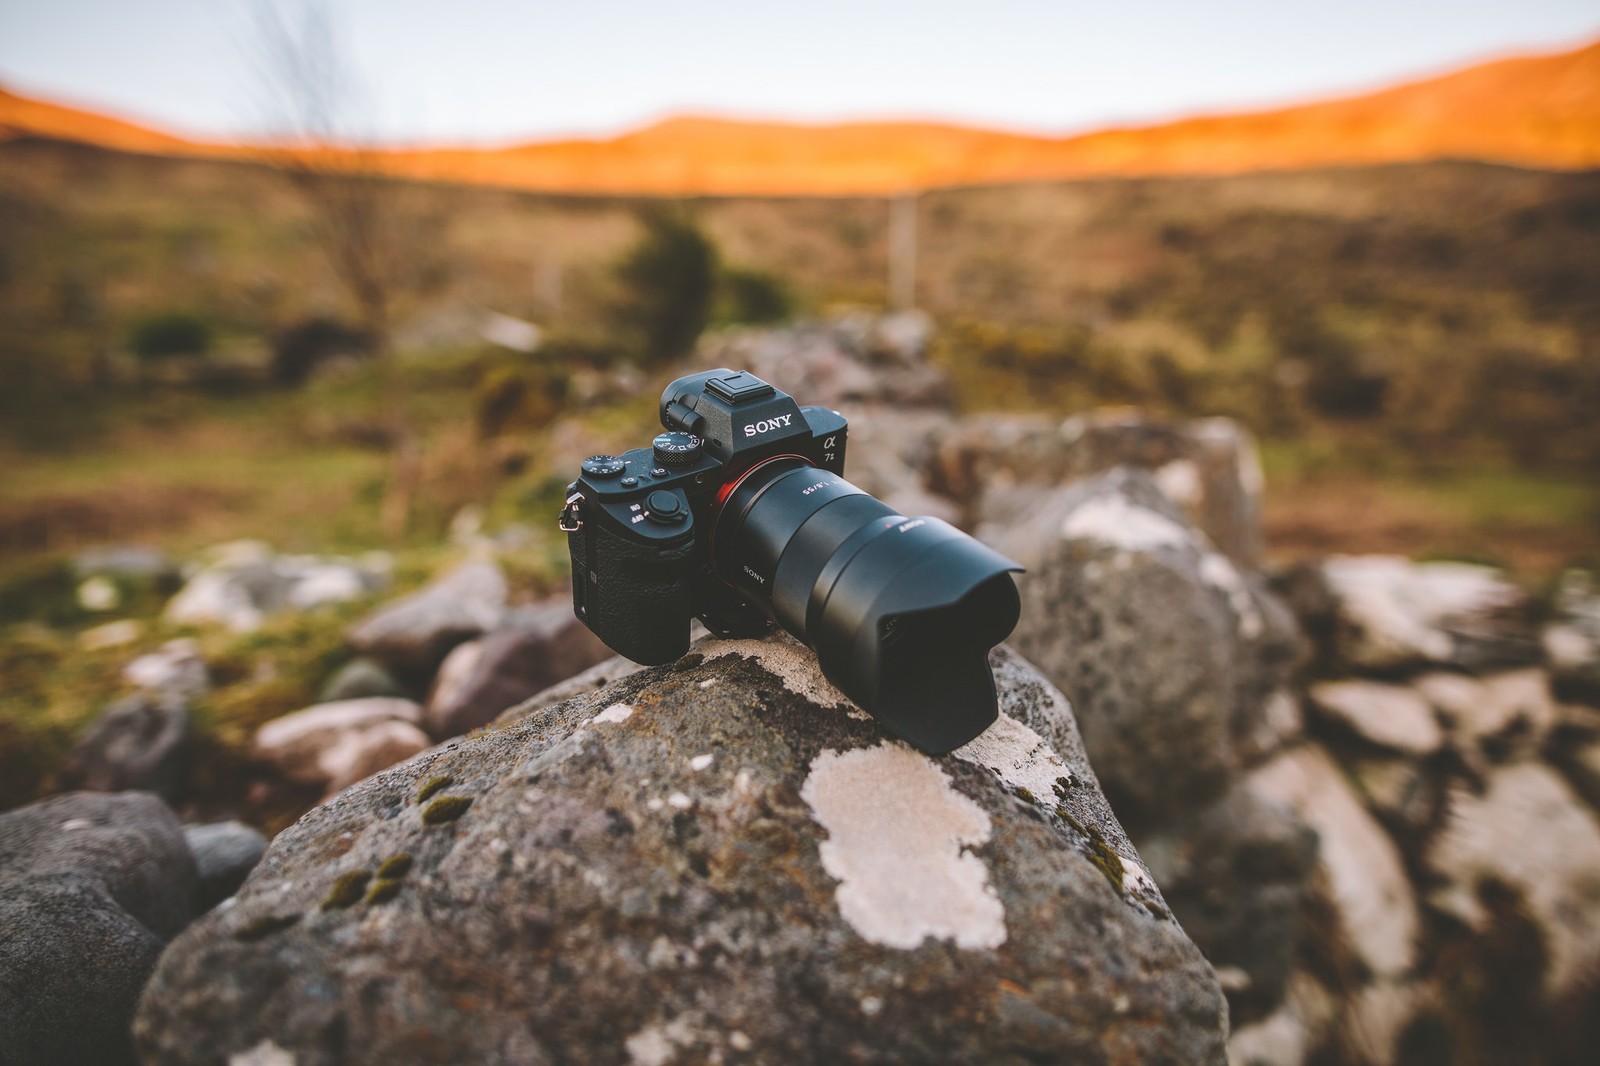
716, 860
91, 887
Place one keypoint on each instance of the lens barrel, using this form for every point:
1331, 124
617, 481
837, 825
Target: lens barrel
901, 611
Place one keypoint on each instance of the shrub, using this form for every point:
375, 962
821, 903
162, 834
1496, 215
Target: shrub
667, 279
171, 333
514, 397
752, 297
297, 350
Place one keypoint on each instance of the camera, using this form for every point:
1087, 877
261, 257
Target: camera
739, 514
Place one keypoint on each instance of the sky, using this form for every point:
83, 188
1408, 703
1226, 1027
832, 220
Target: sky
492, 71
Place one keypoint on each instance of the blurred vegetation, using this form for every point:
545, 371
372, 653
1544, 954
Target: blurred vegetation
666, 283
170, 333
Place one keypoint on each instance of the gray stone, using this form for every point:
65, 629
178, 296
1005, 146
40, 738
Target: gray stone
224, 854
335, 745
244, 583
362, 678
540, 646
141, 742
716, 859
1236, 876
1390, 716
1496, 716
1392, 613
413, 635
1572, 639
1365, 880
132, 562
1171, 656
175, 667
91, 887
1530, 833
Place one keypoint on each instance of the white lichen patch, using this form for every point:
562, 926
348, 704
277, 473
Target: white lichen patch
657, 1045
1021, 757
1115, 521
679, 802
791, 663
701, 762
708, 682
897, 839
265, 1053
1179, 481
617, 712
1220, 574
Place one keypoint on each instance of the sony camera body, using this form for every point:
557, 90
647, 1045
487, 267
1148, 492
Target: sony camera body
739, 514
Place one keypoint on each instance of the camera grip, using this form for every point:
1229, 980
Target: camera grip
634, 596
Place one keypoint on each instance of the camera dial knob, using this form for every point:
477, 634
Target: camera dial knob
676, 449
603, 466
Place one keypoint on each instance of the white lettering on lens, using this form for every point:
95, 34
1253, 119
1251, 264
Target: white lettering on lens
913, 524
755, 575
767, 425
813, 488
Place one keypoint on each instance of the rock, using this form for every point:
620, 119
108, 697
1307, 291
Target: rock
1236, 876
1498, 715
361, 678
176, 668
1291, 1033
1168, 652
1393, 613
541, 646
901, 337
1209, 469
245, 583
1528, 832
99, 594
111, 634
1583, 770
1572, 639
834, 364
224, 854
1281, 723
413, 635
711, 860
1400, 792
91, 887
1390, 716
1369, 891
335, 745
142, 742
126, 562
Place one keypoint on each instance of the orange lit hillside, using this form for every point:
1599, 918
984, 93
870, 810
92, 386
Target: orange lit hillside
1541, 111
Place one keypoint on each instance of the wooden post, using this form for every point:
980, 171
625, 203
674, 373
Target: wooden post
903, 252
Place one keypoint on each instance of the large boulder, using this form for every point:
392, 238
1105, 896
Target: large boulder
717, 860
1172, 656
91, 887
413, 635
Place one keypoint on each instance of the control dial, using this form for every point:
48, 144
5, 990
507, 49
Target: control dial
676, 449
603, 466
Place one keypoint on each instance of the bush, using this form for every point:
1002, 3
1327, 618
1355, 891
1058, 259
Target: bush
752, 297
297, 350
511, 398
668, 279
171, 333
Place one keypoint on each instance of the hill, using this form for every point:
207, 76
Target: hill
1537, 111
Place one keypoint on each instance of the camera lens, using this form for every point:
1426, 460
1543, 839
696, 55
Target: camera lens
901, 611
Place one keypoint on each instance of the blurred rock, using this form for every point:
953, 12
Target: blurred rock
99, 594
1390, 716
1367, 884
111, 634
845, 362
245, 582
1169, 653
335, 745
176, 668
652, 871
361, 678
1393, 613
412, 635
1494, 716
1290, 1035
1401, 792
142, 742
540, 646
1235, 875
91, 888
1572, 639
129, 562
1529, 833
224, 854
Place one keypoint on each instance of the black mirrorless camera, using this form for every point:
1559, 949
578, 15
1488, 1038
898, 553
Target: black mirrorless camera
738, 515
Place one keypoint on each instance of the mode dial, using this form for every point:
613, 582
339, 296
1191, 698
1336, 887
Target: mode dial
676, 449
603, 466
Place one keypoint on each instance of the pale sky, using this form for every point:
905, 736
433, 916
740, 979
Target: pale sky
495, 71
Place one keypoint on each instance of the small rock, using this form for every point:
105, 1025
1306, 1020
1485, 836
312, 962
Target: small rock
91, 888
1291, 1033
1528, 832
1572, 640
245, 583
1390, 716
224, 854
128, 562
176, 668
1498, 715
99, 594
413, 635
111, 634
361, 678
142, 742
1366, 880
337, 744
1395, 613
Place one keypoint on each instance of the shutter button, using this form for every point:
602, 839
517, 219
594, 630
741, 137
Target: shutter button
665, 507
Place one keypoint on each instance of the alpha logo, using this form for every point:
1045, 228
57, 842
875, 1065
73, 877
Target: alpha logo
767, 425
